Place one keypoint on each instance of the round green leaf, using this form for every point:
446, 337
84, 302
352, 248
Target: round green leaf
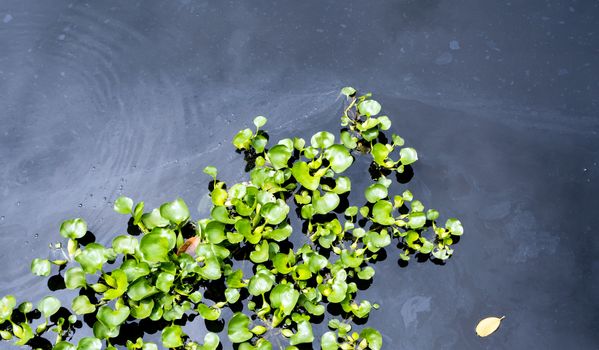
326, 203
208, 313
172, 336
123, 205
48, 306
328, 341
322, 139
112, 318
211, 171
260, 121
369, 108
238, 331
301, 172
381, 213
284, 297
243, 138
81, 305
261, 282
64, 345
348, 91
304, 333
275, 213
373, 337
408, 156
338, 157
454, 226
279, 156
89, 343
416, 220
155, 247
7, 304
75, 278
92, 258
41, 267
175, 211
125, 244
74, 228
375, 192
141, 289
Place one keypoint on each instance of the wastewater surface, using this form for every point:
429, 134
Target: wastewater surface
100, 99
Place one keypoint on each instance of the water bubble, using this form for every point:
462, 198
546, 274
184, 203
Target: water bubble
80, 205
36, 235
2, 218
18, 203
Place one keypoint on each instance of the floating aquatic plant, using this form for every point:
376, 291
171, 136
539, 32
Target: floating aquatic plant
170, 266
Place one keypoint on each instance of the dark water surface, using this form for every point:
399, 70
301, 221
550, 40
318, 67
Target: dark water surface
100, 99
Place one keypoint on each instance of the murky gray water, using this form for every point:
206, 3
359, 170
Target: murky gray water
135, 98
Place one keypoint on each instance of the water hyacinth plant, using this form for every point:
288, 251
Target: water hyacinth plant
169, 267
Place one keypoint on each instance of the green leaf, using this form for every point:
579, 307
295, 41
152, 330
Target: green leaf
125, 244
432, 214
328, 341
75, 278
211, 341
64, 345
348, 140
375, 192
25, 307
374, 241
238, 331
381, 213
279, 156
338, 157
408, 156
322, 139
89, 343
92, 258
134, 269
284, 297
454, 226
123, 205
260, 121
348, 91
81, 305
301, 172
261, 282
141, 289
103, 332
112, 318
74, 228
208, 313
175, 211
154, 219
416, 220
260, 254
373, 337
380, 153
48, 306
165, 281
41, 267
243, 138
215, 232
275, 213
211, 171
7, 304
232, 295
369, 108
366, 273
304, 333
155, 247
172, 336
326, 203
384, 122
279, 234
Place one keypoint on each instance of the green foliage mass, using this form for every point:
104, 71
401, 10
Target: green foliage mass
168, 265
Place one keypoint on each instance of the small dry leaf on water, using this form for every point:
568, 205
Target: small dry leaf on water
488, 325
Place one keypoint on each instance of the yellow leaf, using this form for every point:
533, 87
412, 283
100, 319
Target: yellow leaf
488, 325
